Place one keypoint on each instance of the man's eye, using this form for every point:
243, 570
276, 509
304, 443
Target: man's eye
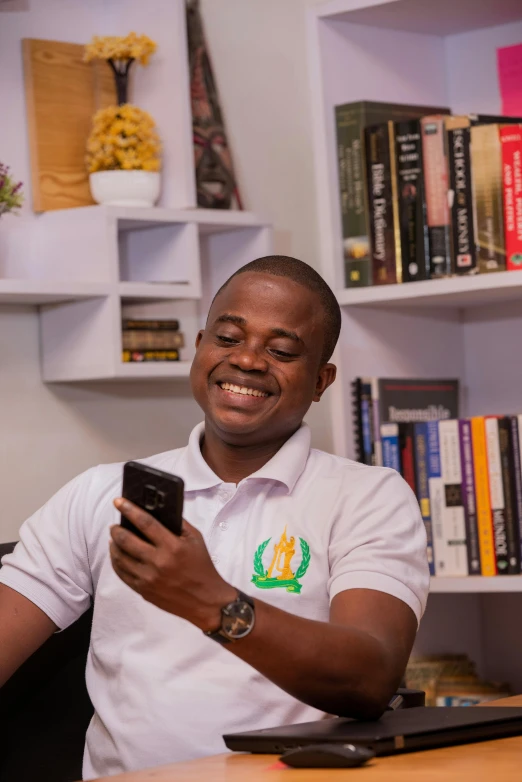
282, 354
226, 340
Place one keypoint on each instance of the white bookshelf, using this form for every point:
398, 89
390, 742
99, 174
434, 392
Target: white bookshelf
153, 262
86, 268
443, 54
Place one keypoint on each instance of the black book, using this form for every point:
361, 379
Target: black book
403, 400
357, 419
464, 259
507, 463
517, 473
413, 226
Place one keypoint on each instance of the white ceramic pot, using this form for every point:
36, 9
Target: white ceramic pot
125, 188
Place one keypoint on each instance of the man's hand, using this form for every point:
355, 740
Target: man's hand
174, 573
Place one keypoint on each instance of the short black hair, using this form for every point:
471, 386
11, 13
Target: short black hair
303, 274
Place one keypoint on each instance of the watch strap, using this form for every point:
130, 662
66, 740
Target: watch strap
218, 635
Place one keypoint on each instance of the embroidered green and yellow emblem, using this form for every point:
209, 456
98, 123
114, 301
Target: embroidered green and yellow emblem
281, 563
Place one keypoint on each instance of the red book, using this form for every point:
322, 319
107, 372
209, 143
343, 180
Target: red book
511, 139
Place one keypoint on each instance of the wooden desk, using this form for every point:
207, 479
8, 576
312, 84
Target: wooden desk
485, 761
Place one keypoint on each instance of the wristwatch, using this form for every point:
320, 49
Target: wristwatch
237, 620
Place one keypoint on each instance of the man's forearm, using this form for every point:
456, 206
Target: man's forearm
335, 668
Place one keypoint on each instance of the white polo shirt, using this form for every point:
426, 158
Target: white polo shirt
303, 528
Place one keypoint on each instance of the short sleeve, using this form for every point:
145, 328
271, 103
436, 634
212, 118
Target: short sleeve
378, 541
50, 564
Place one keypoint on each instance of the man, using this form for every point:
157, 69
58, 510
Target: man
297, 585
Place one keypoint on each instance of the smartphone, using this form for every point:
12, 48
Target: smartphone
157, 492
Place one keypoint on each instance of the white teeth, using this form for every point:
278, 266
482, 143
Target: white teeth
242, 390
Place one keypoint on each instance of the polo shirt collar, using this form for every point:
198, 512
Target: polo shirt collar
285, 467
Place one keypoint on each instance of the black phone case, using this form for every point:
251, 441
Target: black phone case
157, 492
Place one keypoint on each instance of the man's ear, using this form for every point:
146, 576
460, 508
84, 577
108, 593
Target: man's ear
325, 378
199, 337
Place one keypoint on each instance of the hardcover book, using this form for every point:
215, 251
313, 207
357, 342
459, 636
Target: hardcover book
413, 229
468, 497
460, 197
436, 187
507, 466
486, 161
382, 204
350, 121
511, 140
403, 400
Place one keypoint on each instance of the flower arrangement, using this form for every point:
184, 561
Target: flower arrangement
123, 137
11, 197
120, 52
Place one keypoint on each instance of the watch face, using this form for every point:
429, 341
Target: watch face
238, 619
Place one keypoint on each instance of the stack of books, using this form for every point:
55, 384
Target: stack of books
427, 195
466, 473
451, 680
151, 340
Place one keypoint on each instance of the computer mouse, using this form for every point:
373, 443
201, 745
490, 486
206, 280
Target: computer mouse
327, 756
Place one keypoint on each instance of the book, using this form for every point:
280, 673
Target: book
152, 339
413, 229
421, 457
460, 198
150, 324
507, 466
403, 400
367, 422
391, 456
433, 467
486, 161
350, 121
434, 154
357, 419
382, 204
407, 455
483, 503
129, 356
451, 549
511, 141
468, 496
496, 493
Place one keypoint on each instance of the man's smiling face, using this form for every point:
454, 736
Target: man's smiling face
258, 361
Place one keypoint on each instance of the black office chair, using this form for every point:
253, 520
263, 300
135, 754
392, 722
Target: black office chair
45, 708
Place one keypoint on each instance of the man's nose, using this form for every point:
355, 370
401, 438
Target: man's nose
249, 358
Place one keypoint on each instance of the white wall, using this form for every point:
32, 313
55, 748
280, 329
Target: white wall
50, 433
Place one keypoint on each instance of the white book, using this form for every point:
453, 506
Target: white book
451, 551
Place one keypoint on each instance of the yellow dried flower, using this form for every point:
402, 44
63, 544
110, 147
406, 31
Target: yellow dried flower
131, 46
123, 137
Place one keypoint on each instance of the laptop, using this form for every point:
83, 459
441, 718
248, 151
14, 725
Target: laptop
404, 730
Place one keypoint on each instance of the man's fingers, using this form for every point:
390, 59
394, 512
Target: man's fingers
128, 542
152, 529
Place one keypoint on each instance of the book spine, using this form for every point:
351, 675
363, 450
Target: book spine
464, 258
423, 493
507, 465
380, 206
407, 455
436, 188
367, 422
391, 456
486, 161
468, 496
433, 468
357, 419
150, 325
453, 557
350, 161
377, 445
484, 515
152, 340
130, 356
511, 140
411, 200
517, 474
496, 494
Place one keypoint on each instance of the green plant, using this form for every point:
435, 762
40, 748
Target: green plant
11, 197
